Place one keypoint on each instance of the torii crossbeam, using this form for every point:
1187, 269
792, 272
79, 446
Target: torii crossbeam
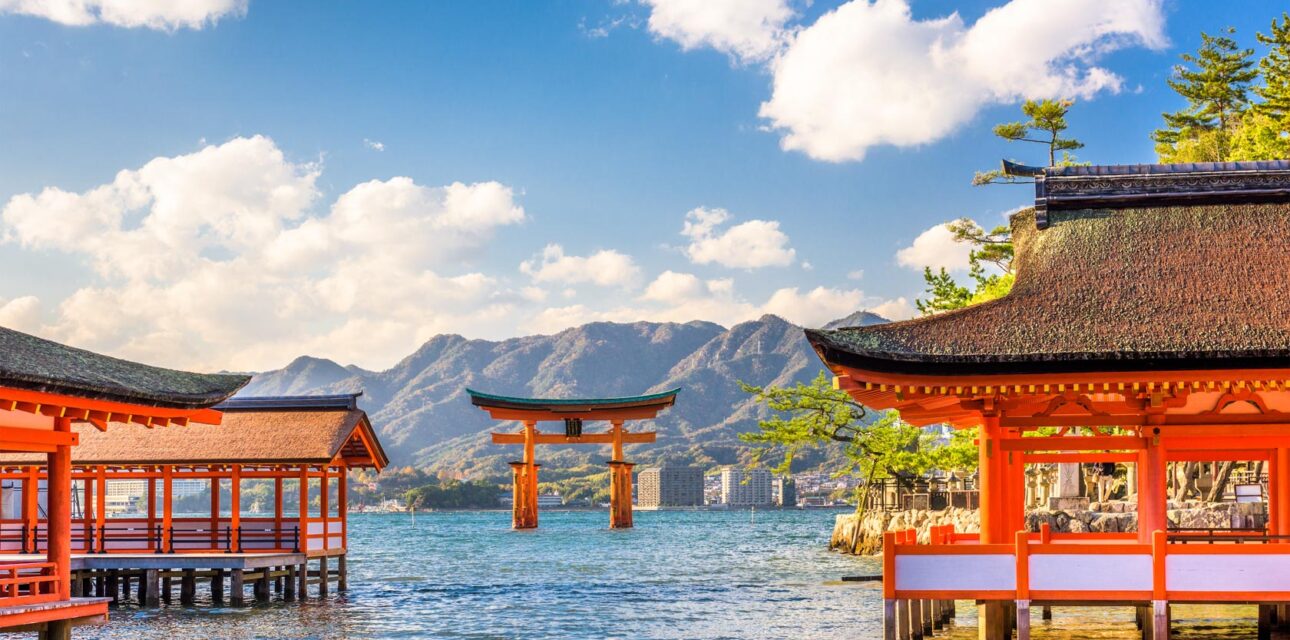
573, 413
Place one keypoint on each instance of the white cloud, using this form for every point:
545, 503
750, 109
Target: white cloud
374, 145
747, 30
815, 307
216, 259
935, 248
856, 274
21, 313
167, 15
896, 309
748, 245
869, 73
605, 267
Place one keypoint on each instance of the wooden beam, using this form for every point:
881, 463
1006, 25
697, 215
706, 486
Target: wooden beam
1172, 454
44, 437
1085, 458
1074, 443
586, 438
539, 415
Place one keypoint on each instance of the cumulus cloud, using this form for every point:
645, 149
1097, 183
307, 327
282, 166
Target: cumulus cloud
167, 15
605, 267
683, 297
748, 245
374, 145
218, 259
937, 249
747, 30
895, 309
869, 74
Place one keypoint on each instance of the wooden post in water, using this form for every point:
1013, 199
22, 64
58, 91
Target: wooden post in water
217, 586
289, 586
1265, 621
916, 619
237, 587
152, 580
322, 576
342, 572
187, 587
302, 581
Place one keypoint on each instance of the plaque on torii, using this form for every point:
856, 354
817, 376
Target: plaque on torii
573, 414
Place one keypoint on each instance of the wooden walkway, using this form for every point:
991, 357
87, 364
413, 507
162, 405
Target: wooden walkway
150, 578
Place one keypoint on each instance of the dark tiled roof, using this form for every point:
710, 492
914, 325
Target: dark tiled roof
32, 363
1137, 288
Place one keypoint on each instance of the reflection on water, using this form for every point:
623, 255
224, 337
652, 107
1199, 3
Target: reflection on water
706, 574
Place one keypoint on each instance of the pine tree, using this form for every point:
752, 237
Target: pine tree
1046, 125
1216, 86
1275, 69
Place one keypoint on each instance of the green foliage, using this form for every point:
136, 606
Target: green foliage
816, 414
1046, 125
993, 247
1215, 81
1275, 70
454, 494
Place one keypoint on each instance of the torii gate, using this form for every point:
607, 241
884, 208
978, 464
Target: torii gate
573, 413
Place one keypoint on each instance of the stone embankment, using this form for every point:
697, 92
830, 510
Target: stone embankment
862, 535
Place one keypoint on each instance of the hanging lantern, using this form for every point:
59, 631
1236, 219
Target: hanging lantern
573, 427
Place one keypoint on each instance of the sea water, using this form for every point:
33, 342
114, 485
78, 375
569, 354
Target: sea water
677, 574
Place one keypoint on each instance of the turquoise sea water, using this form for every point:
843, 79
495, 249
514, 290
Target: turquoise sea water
692, 574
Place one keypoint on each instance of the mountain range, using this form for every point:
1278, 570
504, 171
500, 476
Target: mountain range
425, 419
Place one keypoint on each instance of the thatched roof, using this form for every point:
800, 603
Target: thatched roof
1119, 287
297, 432
36, 364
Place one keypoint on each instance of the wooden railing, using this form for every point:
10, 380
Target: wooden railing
28, 583
1043, 566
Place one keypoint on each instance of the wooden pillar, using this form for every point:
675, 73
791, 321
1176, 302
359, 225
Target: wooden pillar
993, 496
889, 620
916, 619
237, 587
217, 585
322, 576
167, 504
262, 585
59, 508
277, 509
100, 512
1265, 621
1282, 493
30, 506
152, 510
1015, 483
324, 507
620, 494
1152, 496
342, 572
342, 510
235, 508
1273, 491
903, 629
167, 588
1023, 620
531, 476
57, 630
152, 584
524, 495
88, 518
303, 526
289, 589
187, 587
302, 580
890, 607
215, 534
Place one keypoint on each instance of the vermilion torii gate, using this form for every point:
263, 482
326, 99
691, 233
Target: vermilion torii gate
573, 413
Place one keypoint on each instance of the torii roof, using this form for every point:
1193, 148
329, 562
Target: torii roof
629, 407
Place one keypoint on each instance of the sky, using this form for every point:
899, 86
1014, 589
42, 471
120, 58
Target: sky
229, 184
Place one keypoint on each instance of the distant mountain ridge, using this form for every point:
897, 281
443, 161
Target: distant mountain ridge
420, 408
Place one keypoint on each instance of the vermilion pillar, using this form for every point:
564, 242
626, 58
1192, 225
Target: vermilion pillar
1281, 493
524, 496
59, 509
1152, 495
990, 485
620, 494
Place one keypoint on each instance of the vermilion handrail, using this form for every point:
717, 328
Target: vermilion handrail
28, 583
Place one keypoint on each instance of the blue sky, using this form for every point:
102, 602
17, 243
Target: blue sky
593, 125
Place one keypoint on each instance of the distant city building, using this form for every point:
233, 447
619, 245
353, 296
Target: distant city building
670, 485
550, 500
783, 492
745, 487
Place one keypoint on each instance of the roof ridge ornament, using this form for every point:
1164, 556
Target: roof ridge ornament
1147, 185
